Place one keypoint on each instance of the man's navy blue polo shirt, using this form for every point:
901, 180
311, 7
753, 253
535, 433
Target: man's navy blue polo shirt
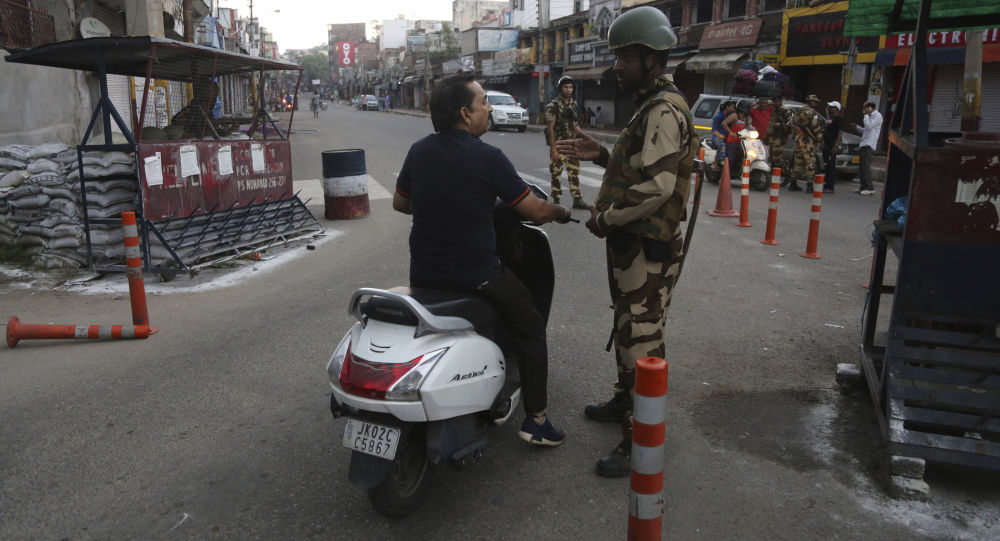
452, 180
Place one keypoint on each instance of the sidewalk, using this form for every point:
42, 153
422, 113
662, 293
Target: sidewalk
610, 136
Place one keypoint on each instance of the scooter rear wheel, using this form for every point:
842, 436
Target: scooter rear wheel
760, 180
404, 488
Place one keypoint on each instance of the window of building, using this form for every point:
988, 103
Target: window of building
772, 5
674, 13
736, 8
703, 11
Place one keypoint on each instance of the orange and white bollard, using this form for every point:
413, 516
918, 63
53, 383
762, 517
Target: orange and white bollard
645, 495
133, 268
817, 205
772, 208
745, 196
17, 331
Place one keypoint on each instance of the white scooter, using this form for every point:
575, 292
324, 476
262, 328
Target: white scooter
424, 374
753, 148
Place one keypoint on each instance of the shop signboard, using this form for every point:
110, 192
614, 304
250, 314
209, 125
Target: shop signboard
951, 38
731, 35
580, 53
602, 54
495, 40
345, 54
504, 61
183, 178
816, 36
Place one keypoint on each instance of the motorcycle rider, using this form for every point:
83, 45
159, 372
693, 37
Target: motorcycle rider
642, 201
449, 183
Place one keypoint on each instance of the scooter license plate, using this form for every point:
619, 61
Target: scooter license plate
371, 439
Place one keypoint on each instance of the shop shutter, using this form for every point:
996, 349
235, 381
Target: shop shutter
111, 17
121, 98
990, 115
946, 102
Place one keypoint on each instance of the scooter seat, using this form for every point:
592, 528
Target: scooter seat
469, 306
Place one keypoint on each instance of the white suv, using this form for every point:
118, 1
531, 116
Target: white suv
507, 112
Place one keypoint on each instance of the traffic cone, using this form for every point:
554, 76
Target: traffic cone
724, 201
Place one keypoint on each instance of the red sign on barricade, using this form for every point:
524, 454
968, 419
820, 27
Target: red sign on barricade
181, 178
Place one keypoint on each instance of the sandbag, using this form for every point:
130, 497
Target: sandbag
54, 261
66, 157
10, 164
48, 179
95, 186
44, 165
106, 237
92, 171
45, 150
61, 243
18, 152
64, 207
110, 197
59, 192
24, 216
54, 219
111, 211
14, 178
29, 202
30, 240
24, 190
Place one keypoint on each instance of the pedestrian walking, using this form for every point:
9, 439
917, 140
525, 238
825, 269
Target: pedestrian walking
642, 201
388, 102
832, 134
808, 130
779, 128
449, 183
563, 121
869, 140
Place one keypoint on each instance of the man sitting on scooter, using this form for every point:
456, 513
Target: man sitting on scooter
449, 182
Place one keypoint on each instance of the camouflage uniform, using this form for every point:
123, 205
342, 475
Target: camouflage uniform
641, 204
809, 127
566, 119
777, 134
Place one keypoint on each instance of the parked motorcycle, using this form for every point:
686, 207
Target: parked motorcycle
423, 375
753, 148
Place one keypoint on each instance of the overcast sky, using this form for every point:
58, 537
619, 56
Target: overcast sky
300, 24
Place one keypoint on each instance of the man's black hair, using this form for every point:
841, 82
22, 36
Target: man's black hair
449, 97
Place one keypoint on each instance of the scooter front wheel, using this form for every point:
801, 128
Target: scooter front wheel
760, 180
408, 480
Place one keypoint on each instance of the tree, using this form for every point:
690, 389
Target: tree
449, 42
316, 66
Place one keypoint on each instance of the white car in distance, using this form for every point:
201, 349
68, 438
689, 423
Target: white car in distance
507, 112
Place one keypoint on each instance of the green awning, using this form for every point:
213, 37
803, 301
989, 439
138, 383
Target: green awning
876, 18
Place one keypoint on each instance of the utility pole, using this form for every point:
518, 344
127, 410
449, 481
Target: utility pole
543, 22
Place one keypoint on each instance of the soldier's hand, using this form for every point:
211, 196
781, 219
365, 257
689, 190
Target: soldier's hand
582, 148
592, 224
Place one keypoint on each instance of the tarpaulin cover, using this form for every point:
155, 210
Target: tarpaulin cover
875, 17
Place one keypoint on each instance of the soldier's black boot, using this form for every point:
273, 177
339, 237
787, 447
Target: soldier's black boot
793, 186
619, 462
614, 410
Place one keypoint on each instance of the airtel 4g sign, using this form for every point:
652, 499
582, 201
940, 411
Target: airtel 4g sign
345, 54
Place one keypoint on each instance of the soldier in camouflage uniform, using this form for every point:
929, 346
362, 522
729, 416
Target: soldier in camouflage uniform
563, 118
641, 204
809, 128
778, 130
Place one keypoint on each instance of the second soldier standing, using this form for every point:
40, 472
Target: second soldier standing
562, 115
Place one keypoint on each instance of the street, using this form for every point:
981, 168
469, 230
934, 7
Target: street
218, 426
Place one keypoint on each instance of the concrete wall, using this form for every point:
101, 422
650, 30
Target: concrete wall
43, 104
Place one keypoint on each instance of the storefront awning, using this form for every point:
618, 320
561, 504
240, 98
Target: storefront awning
588, 73
674, 61
715, 61
411, 79
935, 55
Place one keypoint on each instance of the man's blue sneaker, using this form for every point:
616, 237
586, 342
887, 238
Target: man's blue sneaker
540, 434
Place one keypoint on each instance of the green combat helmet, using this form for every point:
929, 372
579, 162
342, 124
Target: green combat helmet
644, 25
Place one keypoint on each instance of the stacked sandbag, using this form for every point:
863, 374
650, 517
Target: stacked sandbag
41, 208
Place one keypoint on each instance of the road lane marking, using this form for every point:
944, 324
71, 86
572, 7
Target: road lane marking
313, 189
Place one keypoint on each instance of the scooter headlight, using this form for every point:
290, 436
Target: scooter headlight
751, 154
408, 387
753, 134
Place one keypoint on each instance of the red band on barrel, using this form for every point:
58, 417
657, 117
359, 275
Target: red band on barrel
647, 484
649, 435
651, 376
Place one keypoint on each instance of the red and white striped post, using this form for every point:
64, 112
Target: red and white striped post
17, 331
745, 196
645, 495
772, 208
133, 269
817, 205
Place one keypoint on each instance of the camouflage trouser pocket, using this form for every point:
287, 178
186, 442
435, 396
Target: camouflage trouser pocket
661, 251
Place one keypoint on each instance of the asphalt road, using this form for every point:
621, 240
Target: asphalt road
218, 426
